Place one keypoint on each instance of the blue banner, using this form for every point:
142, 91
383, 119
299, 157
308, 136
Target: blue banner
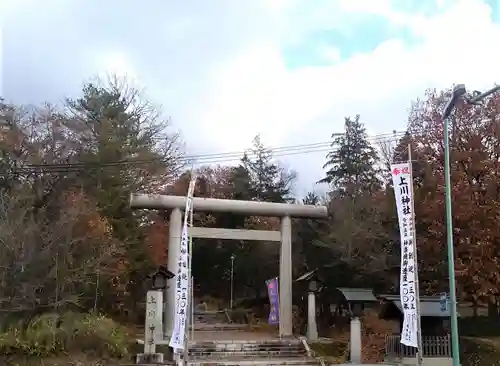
274, 301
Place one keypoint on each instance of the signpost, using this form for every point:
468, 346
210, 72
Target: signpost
153, 329
443, 302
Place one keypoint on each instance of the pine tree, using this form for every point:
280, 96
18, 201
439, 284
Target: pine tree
267, 181
311, 198
256, 178
400, 155
353, 178
352, 160
113, 124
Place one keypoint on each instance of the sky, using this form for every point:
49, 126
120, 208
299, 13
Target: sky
226, 70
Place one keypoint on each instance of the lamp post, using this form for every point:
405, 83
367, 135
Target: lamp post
232, 277
458, 92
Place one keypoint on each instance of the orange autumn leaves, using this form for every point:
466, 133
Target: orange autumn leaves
475, 166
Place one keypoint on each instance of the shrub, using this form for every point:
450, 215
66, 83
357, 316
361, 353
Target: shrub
213, 303
334, 352
298, 323
240, 315
52, 334
479, 352
479, 326
374, 331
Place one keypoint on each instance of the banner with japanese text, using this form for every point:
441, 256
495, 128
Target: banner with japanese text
274, 301
177, 340
401, 178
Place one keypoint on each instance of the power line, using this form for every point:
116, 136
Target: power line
199, 159
207, 158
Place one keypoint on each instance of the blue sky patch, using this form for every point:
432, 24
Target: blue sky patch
495, 7
354, 34
363, 36
422, 7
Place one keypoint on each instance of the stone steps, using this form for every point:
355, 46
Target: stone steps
249, 352
259, 362
293, 350
245, 355
221, 327
246, 345
210, 317
272, 341
273, 352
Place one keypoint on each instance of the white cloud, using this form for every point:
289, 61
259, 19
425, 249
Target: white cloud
254, 91
223, 78
115, 63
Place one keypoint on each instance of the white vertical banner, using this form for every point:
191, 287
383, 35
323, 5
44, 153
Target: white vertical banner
182, 277
402, 181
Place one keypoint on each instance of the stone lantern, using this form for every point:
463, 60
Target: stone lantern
158, 279
312, 282
357, 299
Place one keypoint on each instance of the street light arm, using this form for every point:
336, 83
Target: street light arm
481, 96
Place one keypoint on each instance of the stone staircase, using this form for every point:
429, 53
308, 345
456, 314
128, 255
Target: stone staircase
214, 320
220, 342
217, 341
249, 352
210, 316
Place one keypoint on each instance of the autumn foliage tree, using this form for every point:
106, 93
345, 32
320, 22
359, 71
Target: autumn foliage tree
258, 177
69, 235
355, 184
66, 175
475, 167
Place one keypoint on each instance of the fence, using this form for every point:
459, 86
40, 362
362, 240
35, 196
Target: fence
433, 346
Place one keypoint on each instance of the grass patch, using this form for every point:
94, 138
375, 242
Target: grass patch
68, 360
334, 352
479, 351
52, 335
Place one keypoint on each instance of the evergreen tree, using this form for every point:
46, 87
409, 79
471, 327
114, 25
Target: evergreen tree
257, 178
112, 124
353, 177
400, 155
265, 180
8, 152
311, 198
351, 163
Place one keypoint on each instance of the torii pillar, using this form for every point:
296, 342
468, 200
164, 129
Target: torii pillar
250, 208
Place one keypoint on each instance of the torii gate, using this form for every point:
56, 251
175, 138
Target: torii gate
251, 208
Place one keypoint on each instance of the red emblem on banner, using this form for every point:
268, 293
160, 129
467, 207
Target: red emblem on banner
397, 171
